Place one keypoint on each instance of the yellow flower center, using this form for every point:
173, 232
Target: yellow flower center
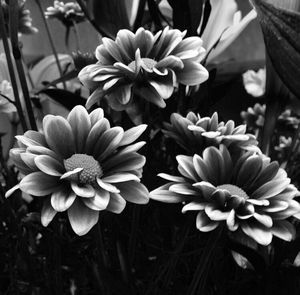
234, 190
91, 167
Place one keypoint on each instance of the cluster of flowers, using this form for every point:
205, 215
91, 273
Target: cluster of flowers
82, 165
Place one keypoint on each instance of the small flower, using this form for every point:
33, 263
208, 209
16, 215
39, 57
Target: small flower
68, 13
81, 165
288, 119
250, 195
254, 117
284, 146
255, 82
194, 133
24, 21
145, 65
6, 98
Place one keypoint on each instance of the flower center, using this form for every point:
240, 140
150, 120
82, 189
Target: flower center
234, 190
148, 62
91, 167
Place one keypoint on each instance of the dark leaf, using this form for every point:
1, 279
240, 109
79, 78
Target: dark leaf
196, 10
111, 15
65, 98
281, 29
155, 13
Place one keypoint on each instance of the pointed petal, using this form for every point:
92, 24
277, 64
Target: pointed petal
49, 165
80, 123
82, 218
99, 201
39, 184
47, 213
116, 203
134, 192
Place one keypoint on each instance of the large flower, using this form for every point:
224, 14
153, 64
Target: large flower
194, 133
251, 194
68, 13
146, 65
24, 19
82, 165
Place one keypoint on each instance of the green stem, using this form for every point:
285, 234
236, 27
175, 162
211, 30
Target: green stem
205, 262
11, 71
51, 41
77, 36
13, 27
181, 100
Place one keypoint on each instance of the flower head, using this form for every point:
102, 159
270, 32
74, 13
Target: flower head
251, 194
194, 133
255, 82
81, 165
143, 64
68, 13
254, 117
24, 21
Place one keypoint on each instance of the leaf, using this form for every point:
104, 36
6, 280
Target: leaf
281, 29
66, 98
111, 15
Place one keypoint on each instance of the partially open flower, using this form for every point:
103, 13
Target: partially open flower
194, 133
68, 13
251, 194
143, 64
81, 165
24, 20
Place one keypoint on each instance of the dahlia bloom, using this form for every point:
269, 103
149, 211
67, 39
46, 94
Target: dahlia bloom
24, 21
81, 165
143, 64
194, 133
255, 82
68, 13
250, 195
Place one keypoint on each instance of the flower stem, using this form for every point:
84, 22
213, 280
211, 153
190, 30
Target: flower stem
200, 275
181, 103
77, 36
13, 27
51, 42
13, 79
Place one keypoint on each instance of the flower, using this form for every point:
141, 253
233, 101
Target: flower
283, 148
250, 195
142, 64
224, 25
81, 165
288, 119
194, 133
255, 82
24, 21
254, 117
68, 13
6, 98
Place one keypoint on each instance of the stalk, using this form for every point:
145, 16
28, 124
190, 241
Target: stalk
204, 265
13, 26
51, 41
11, 71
